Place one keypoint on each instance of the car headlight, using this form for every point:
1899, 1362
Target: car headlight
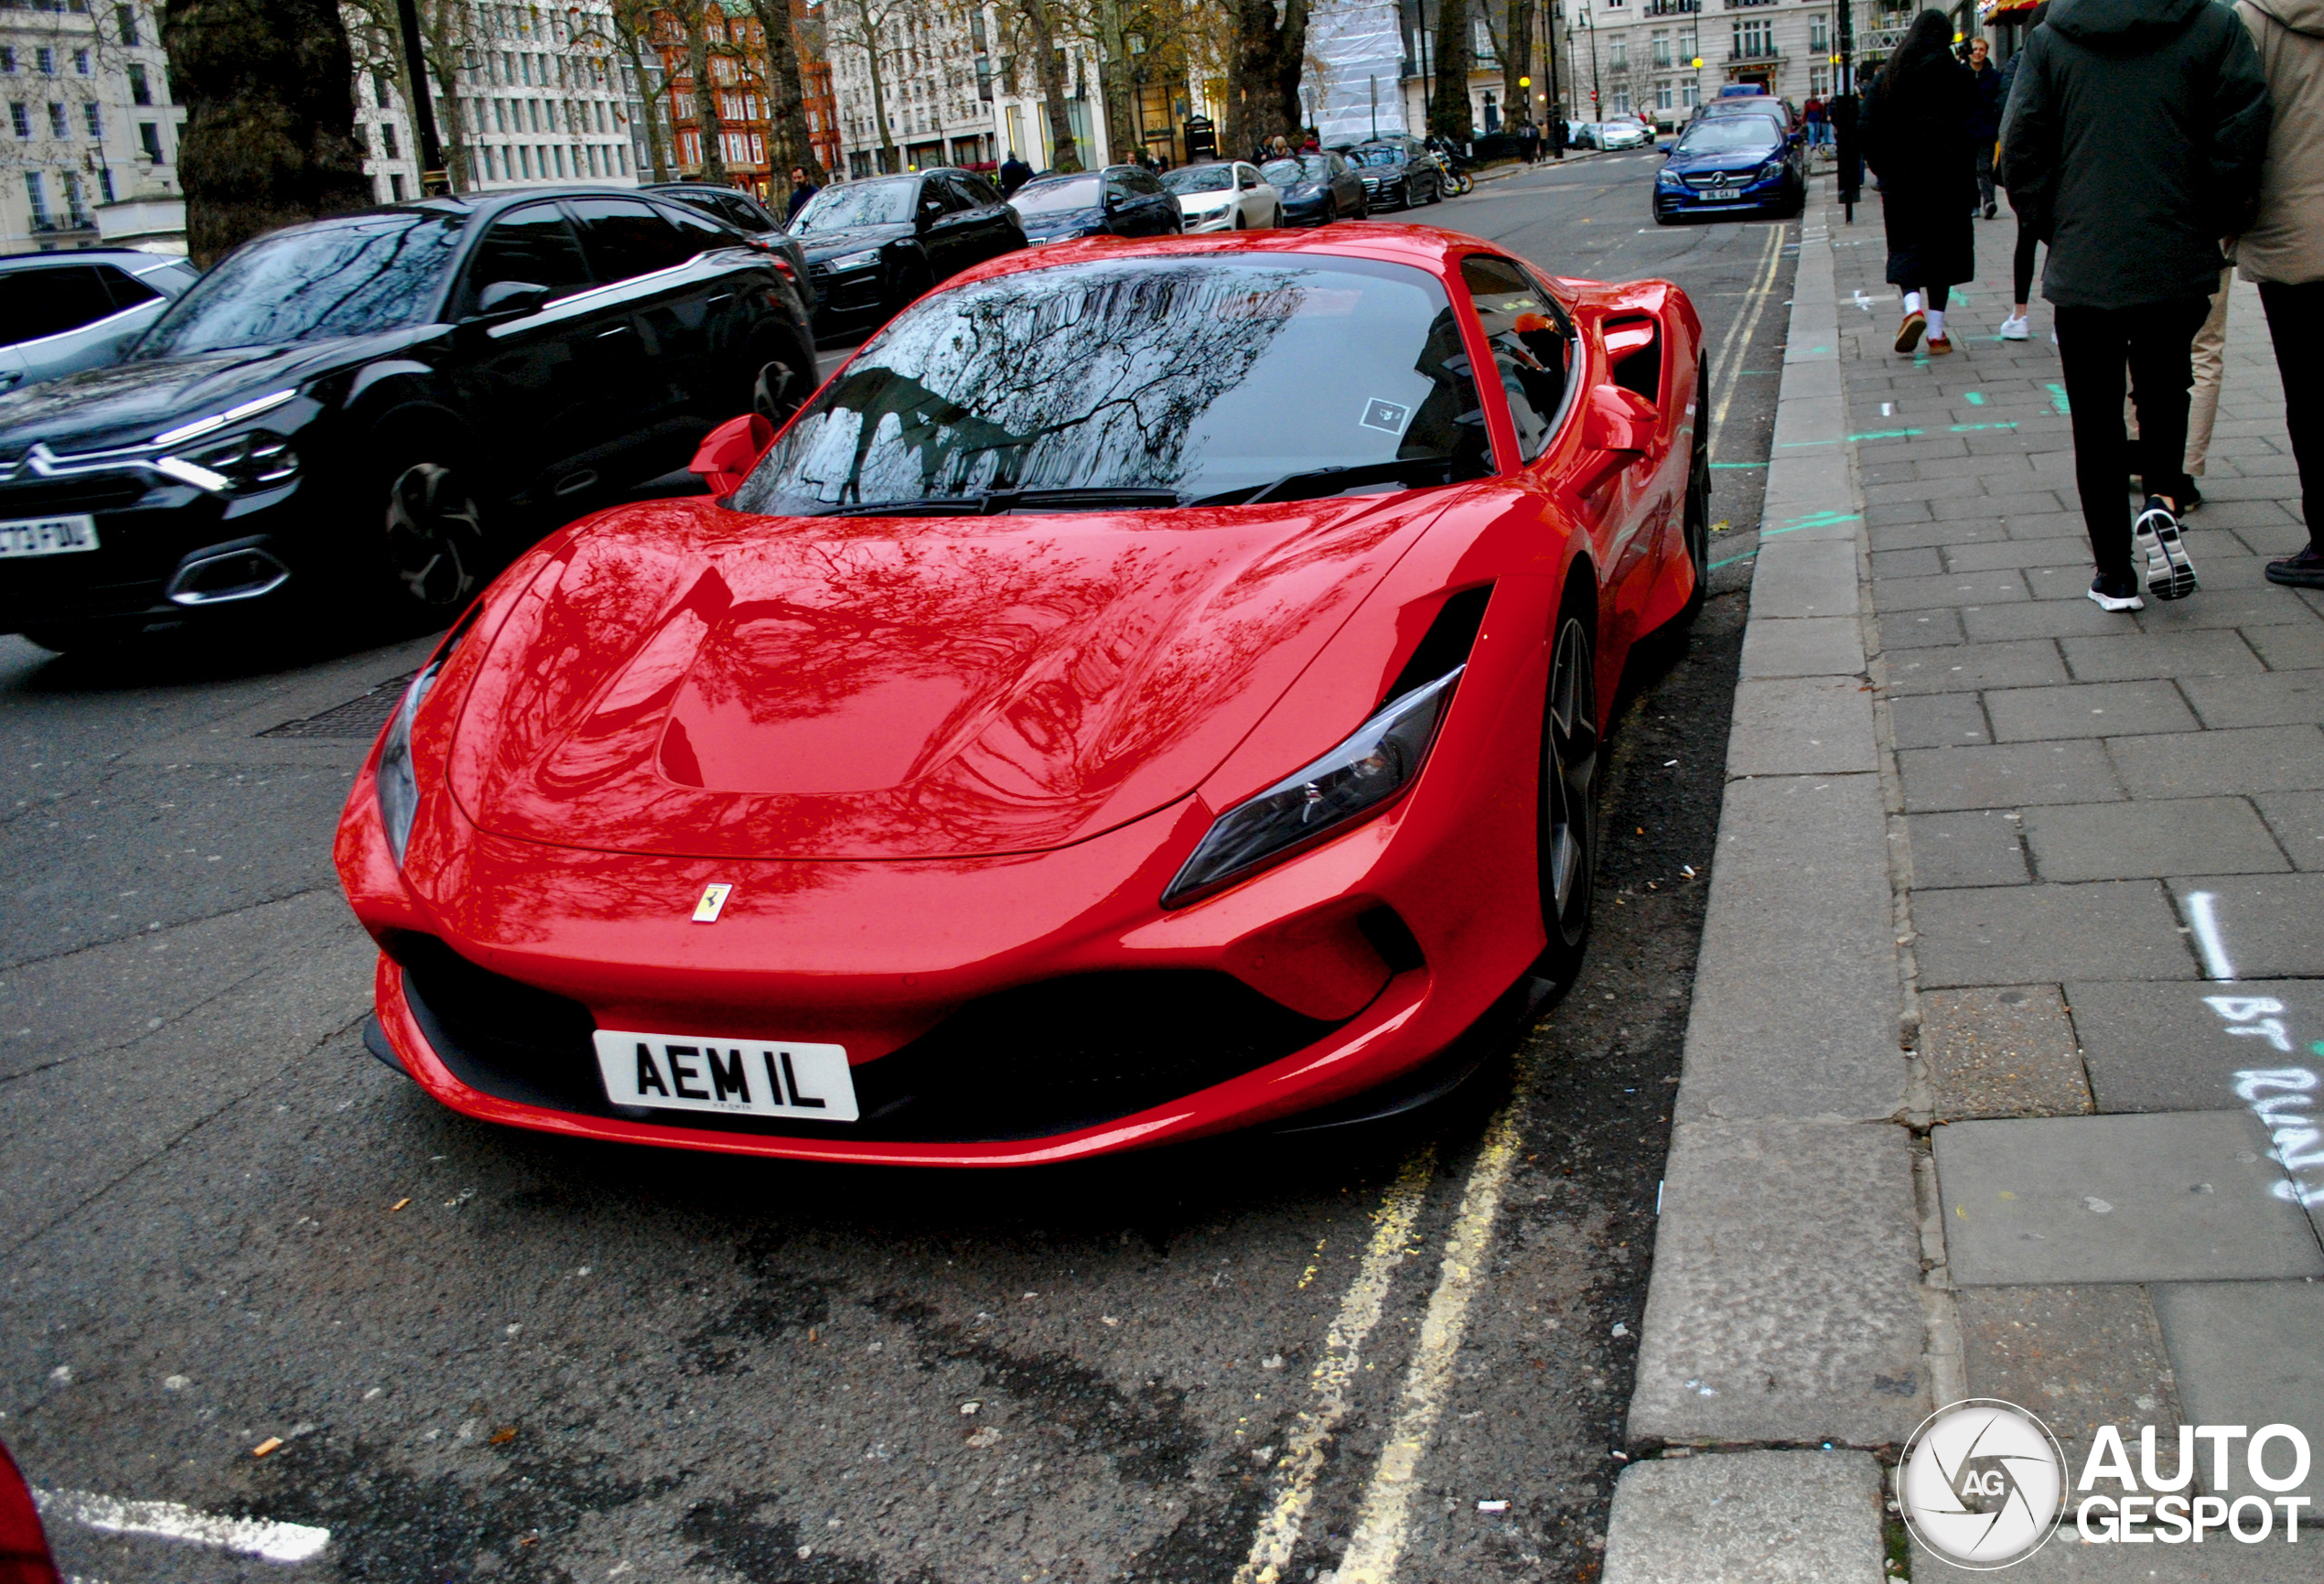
399, 785
1770, 170
1668, 179
856, 261
259, 459
1358, 777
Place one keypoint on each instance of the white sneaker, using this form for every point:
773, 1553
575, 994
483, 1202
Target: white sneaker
2155, 544
2013, 328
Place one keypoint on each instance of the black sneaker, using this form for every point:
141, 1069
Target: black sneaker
2304, 570
2155, 546
2122, 594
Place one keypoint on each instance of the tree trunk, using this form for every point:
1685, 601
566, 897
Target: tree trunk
1516, 61
269, 130
443, 40
625, 29
1114, 83
1291, 59
707, 126
1063, 155
1448, 116
1257, 88
870, 39
786, 98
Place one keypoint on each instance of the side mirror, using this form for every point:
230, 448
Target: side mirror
1618, 422
511, 297
930, 210
730, 451
1113, 200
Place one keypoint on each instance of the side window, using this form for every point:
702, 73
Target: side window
1526, 331
738, 211
126, 289
980, 191
531, 245
1147, 182
957, 197
1246, 175
697, 232
627, 237
37, 303
936, 189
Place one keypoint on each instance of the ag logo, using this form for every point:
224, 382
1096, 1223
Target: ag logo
1980, 1482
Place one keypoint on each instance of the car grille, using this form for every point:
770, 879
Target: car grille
855, 291
90, 492
1029, 1062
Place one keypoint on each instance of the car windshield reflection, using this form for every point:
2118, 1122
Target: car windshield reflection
1059, 197
1190, 379
346, 277
858, 204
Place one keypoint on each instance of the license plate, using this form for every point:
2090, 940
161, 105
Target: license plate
734, 1077
1715, 194
48, 536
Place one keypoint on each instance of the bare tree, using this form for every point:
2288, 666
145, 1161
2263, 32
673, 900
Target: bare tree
786, 97
270, 134
1041, 32
865, 25
694, 17
633, 36
1266, 58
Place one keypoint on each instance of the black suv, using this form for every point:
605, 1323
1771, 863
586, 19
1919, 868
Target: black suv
1398, 172
874, 245
387, 404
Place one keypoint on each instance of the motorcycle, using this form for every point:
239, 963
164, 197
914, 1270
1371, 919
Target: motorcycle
1454, 178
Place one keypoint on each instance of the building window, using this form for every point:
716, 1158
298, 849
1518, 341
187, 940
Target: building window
387, 139
1662, 50
80, 62
76, 212
1754, 40
1663, 97
21, 119
395, 186
8, 59
1690, 93
149, 139
1819, 83
105, 182
126, 19
525, 152
1621, 102
58, 127
36, 193
140, 91
1618, 56
46, 59
1686, 45
1819, 36
96, 118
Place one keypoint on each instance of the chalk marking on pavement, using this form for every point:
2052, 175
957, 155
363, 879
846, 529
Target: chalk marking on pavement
170, 1520
1384, 1522
2205, 922
1738, 338
1303, 1458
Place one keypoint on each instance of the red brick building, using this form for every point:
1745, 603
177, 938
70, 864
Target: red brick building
737, 63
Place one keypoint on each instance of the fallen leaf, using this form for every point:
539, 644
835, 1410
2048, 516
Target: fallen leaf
271, 1444
503, 1436
397, 1205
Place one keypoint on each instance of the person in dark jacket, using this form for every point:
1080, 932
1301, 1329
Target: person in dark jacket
801, 190
1920, 131
2031, 225
1014, 173
2138, 129
1988, 124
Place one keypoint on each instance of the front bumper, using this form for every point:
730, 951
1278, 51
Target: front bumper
848, 299
1687, 200
151, 535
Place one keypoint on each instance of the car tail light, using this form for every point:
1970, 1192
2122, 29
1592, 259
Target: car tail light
765, 244
23, 1548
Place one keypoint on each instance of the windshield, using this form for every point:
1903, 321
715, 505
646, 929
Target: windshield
1730, 134
1381, 155
1057, 197
858, 204
1197, 376
343, 277
1199, 179
1291, 172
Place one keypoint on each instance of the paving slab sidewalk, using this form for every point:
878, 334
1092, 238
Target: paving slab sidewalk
2068, 860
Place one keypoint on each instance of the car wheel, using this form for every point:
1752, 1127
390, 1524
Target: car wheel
1238, 221
1568, 820
433, 539
1665, 217
1435, 189
1696, 519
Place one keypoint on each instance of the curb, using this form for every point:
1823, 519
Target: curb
1787, 1304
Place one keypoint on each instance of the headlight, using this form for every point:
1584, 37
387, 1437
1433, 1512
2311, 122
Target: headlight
1359, 776
259, 459
856, 261
1771, 170
399, 787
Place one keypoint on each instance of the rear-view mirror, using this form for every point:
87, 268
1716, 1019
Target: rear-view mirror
730, 451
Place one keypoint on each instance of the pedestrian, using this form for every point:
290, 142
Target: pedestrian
2139, 128
1014, 173
801, 190
1988, 121
1529, 141
2023, 206
1812, 114
1920, 123
2283, 248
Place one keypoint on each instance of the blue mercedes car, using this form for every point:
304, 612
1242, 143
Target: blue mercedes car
1731, 162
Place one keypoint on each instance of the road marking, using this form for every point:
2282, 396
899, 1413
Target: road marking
1303, 1458
1385, 1521
1723, 375
2205, 920
169, 1521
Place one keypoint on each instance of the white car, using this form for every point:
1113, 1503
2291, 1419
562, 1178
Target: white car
1625, 135
1225, 195
61, 312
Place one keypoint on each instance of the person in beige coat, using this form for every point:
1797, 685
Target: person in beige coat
2283, 248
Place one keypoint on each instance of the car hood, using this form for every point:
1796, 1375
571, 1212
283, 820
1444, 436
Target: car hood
1734, 161
823, 245
1060, 220
681, 680
126, 403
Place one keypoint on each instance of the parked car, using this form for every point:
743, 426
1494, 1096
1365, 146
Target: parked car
1727, 163
1777, 111
23, 1546
1102, 718
1399, 173
1224, 194
1624, 132
64, 311
743, 212
1119, 201
873, 246
1581, 135
1317, 188
385, 405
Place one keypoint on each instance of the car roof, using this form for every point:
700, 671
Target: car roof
136, 260
1422, 246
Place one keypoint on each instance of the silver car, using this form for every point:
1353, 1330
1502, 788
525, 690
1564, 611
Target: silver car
61, 312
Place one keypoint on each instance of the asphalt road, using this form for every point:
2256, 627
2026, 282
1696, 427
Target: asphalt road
489, 1355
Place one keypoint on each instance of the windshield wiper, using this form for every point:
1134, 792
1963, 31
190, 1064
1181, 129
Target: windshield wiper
995, 501
1316, 483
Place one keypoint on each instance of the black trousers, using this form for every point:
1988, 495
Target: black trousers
2021, 263
2296, 323
1984, 175
2094, 346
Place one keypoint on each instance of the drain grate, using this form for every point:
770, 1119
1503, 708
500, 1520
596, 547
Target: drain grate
358, 720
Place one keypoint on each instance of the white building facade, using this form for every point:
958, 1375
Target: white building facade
90, 142
929, 90
1638, 56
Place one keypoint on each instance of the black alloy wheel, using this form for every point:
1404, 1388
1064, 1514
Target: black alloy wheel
1568, 823
437, 553
1697, 518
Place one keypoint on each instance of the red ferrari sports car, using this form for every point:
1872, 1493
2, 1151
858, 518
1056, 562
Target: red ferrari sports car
1154, 688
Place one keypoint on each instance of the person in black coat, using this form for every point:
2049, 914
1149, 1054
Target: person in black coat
1989, 123
1014, 173
1920, 138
